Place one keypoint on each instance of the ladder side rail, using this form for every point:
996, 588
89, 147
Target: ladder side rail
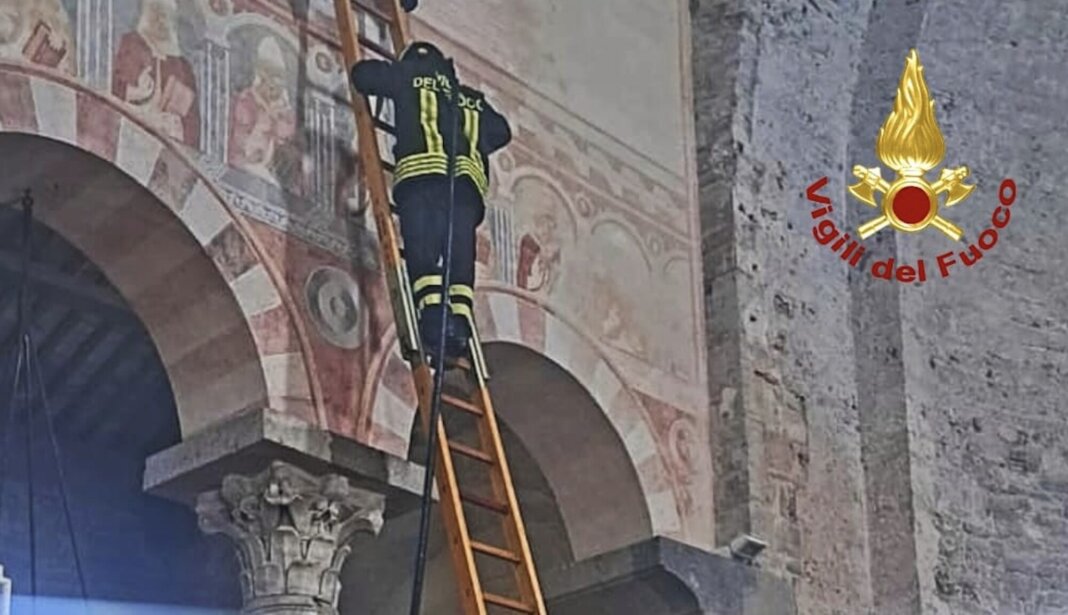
501, 478
508, 525
402, 32
370, 160
451, 505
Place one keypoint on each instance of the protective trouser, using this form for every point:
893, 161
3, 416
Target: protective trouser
423, 207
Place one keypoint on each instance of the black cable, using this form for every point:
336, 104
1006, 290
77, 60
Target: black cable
57, 456
9, 426
27, 398
9, 420
27, 231
439, 373
29, 472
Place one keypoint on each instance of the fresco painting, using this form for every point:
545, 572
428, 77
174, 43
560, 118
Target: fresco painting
544, 225
39, 32
263, 137
228, 82
599, 269
152, 74
615, 277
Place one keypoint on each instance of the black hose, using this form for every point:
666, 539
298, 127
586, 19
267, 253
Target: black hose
439, 374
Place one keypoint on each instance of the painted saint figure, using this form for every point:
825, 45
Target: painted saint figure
151, 74
38, 31
262, 117
539, 256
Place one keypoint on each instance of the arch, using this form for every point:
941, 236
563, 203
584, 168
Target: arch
225, 326
506, 317
111, 404
512, 181
629, 232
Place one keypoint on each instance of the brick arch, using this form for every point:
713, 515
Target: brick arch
505, 316
222, 319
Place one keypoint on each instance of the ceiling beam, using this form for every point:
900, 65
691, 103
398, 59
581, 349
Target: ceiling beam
75, 293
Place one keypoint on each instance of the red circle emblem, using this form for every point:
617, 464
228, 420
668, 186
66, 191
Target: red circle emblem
911, 205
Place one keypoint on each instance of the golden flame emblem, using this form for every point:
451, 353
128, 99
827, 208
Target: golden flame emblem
911, 144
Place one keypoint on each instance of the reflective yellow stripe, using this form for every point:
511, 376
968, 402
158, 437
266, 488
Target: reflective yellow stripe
434, 299
421, 169
464, 168
421, 162
462, 290
471, 124
457, 308
426, 280
428, 116
471, 165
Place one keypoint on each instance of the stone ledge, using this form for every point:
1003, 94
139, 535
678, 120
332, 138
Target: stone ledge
662, 576
248, 442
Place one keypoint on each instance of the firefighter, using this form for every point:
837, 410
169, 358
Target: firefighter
421, 85
483, 131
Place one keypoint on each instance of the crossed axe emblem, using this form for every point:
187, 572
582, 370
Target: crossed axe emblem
910, 203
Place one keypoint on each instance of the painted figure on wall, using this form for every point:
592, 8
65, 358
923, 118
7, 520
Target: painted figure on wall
618, 326
539, 256
263, 121
151, 74
543, 226
38, 31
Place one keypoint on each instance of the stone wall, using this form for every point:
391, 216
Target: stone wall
899, 445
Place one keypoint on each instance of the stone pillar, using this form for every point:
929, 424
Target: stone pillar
291, 530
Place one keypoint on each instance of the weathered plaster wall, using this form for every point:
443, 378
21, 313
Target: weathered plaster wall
591, 202
901, 446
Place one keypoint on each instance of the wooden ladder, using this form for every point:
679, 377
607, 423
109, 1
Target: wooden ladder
490, 495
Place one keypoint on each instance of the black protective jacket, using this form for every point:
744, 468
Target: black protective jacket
421, 91
485, 131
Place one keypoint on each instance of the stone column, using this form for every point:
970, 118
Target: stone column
291, 530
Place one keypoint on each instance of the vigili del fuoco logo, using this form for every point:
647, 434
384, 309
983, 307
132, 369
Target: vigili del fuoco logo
910, 143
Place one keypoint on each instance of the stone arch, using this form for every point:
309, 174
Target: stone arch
505, 317
226, 328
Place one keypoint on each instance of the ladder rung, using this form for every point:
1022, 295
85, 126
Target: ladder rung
384, 127
374, 12
377, 48
468, 451
460, 404
460, 363
499, 507
507, 603
497, 552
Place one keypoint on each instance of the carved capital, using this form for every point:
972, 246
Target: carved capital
291, 530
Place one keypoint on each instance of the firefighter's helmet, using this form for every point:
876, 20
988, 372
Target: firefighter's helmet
422, 51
